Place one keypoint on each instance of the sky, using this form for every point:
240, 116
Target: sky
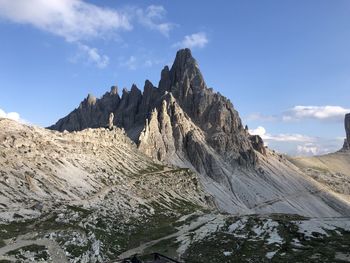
285, 65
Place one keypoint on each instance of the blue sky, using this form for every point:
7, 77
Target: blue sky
285, 65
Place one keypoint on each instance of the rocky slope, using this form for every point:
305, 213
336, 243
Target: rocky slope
43, 166
183, 122
92, 196
85, 196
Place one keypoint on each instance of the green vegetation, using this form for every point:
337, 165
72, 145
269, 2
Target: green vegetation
252, 241
76, 251
246, 246
40, 252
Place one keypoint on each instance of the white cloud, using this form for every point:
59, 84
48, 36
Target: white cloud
199, 40
152, 17
72, 19
297, 113
94, 56
78, 21
261, 117
11, 115
261, 131
310, 149
307, 149
298, 144
316, 112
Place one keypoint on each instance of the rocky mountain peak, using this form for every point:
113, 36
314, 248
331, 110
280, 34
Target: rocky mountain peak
183, 60
88, 102
181, 121
114, 90
347, 131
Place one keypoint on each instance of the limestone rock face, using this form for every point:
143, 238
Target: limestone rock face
258, 144
182, 122
129, 110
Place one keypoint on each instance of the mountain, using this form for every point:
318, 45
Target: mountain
170, 170
182, 84
182, 122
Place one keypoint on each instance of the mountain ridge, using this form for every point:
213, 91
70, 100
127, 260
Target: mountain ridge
210, 111
184, 123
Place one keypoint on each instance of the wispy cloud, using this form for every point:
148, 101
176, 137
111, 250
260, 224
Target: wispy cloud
311, 149
261, 117
316, 112
78, 22
195, 40
152, 17
94, 55
11, 115
295, 137
73, 20
298, 113
298, 144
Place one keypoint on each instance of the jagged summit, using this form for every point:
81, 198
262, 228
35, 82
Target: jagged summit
184, 123
181, 122
211, 112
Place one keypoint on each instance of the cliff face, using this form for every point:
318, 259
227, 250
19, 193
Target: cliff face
347, 131
181, 122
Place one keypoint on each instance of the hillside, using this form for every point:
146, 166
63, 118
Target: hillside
332, 170
92, 196
86, 188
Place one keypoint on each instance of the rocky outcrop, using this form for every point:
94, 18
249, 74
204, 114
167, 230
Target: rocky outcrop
129, 110
110, 121
347, 131
258, 144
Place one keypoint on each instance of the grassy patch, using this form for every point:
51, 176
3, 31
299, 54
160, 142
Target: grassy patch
247, 246
40, 252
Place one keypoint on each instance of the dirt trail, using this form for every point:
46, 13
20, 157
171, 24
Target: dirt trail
285, 198
100, 194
